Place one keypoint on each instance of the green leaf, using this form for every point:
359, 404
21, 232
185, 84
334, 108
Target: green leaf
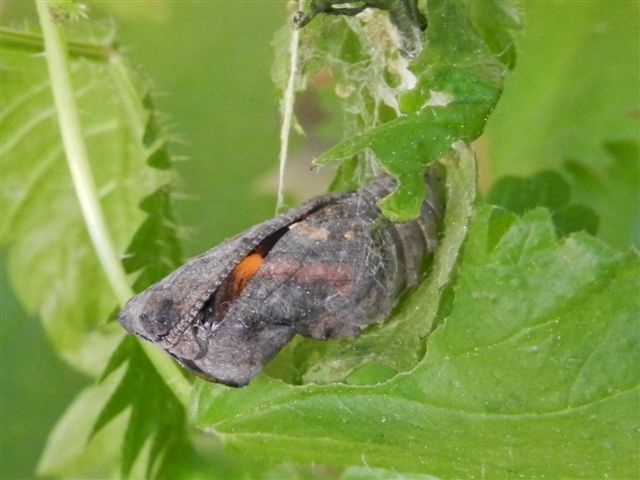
556, 398
520, 194
157, 404
459, 81
52, 263
154, 248
533, 373
44, 227
72, 450
35, 392
105, 434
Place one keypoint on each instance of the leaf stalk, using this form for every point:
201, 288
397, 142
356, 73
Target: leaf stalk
76, 152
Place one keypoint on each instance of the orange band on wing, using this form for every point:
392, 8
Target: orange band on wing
244, 271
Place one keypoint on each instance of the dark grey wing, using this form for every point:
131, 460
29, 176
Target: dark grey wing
163, 311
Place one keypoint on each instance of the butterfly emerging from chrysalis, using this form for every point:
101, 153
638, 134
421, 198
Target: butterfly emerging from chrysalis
326, 269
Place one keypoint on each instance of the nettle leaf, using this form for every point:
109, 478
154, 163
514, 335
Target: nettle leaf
156, 427
156, 415
72, 450
128, 425
52, 263
154, 251
459, 81
533, 373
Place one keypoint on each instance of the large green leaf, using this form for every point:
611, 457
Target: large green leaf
51, 257
45, 230
533, 373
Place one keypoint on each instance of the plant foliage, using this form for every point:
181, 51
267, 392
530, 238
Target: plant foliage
518, 356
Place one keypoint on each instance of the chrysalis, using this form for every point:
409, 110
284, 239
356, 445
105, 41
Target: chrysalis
326, 269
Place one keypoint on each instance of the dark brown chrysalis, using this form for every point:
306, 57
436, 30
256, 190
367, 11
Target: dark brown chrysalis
326, 269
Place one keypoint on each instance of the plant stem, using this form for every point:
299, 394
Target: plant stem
76, 153
34, 42
169, 371
288, 100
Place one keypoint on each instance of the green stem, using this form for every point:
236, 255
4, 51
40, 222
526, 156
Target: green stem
286, 107
34, 42
85, 188
76, 153
169, 371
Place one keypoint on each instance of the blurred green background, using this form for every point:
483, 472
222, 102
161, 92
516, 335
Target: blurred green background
574, 88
